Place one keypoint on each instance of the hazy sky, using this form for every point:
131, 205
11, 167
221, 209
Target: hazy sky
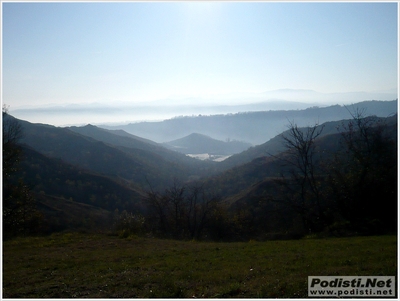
140, 51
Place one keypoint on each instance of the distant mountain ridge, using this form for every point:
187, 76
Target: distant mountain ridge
251, 127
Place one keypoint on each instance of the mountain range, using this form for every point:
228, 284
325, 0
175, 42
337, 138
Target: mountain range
250, 127
94, 170
117, 112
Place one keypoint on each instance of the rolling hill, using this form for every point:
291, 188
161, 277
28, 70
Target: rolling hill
131, 144
140, 167
199, 144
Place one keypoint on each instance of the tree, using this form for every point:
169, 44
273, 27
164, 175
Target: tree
182, 211
202, 209
302, 189
176, 203
363, 176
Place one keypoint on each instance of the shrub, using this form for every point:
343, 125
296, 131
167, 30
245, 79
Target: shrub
128, 224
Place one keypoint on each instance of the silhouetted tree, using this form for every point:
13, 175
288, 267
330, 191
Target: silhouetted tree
182, 211
202, 209
300, 181
363, 176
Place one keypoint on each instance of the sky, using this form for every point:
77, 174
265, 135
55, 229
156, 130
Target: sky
138, 52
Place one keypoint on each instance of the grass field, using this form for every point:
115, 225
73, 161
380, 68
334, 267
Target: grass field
99, 266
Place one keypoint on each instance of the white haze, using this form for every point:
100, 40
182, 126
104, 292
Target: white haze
124, 113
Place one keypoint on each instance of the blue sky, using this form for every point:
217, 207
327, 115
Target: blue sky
135, 52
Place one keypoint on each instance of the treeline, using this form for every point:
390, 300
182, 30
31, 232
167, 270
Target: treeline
180, 212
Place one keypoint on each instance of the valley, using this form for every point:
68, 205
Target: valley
199, 149
86, 177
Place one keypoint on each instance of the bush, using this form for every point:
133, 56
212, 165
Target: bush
128, 224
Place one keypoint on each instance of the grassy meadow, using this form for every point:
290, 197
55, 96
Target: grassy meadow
79, 265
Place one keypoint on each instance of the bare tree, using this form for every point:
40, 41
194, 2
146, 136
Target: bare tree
365, 171
302, 188
201, 209
182, 211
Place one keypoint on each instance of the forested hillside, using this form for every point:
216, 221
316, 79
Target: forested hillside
324, 178
276, 144
61, 187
